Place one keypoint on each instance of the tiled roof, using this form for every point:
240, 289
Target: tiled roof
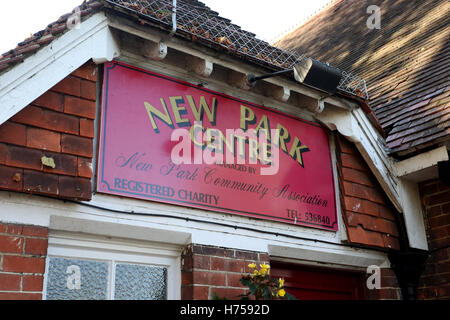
195, 22
42, 38
405, 63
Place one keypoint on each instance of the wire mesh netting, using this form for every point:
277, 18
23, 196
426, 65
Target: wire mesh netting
201, 23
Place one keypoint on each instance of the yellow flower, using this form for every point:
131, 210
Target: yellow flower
264, 266
263, 272
252, 265
255, 273
281, 282
281, 292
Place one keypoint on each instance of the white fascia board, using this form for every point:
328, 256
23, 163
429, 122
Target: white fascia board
337, 257
413, 215
413, 168
355, 126
27, 81
110, 229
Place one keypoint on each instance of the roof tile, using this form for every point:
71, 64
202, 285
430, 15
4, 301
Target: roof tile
405, 63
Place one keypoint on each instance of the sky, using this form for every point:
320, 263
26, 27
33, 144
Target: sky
17, 22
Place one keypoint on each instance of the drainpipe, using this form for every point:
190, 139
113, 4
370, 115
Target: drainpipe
408, 263
174, 19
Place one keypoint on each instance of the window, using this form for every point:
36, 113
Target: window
81, 267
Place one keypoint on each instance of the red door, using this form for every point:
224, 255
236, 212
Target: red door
311, 283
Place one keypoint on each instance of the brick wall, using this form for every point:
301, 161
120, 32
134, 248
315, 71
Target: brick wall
435, 281
207, 270
58, 125
23, 250
389, 288
367, 214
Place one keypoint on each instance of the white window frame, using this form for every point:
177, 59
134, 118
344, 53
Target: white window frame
114, 251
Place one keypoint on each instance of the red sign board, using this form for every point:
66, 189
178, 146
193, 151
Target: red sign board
148, 120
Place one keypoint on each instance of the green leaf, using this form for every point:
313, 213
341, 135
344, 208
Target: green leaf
290, 296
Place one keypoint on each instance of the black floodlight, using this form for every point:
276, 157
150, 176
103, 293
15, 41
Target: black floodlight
310, 72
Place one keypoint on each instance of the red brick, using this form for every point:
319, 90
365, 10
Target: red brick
50, 100
232, 265
209, 251
427, 189
24, 158
35, 231
367, 222
446, 208
437, 233
87, 71
36, 246
23, 264
233, 280
79, 107
385, 213
47, 119
366, 237
208, 277
88, 90
443, 267
246, 255
84, 167
11, 178
357, 176
32, 283
434, 211
200, 292
3, 228
64, 164
443, 187
438, 221
389, 294
264, 257
3, 153
70, 85
438, 198
11, 244
357, 190
345, 145
391, 242
353, 161
9, 282
13, 133
187, 294
77, 146
39, 182
15, 229
361, 206
43, 139
20, 296
75, 188
201, 262
87, 128
186, 278
439, 243
387, 226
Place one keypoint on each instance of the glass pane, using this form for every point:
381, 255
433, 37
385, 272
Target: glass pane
72, 279
140, 282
